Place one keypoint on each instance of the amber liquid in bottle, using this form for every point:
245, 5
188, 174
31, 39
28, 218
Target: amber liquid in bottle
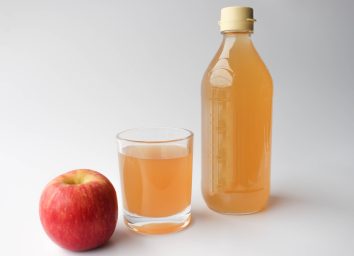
236, 128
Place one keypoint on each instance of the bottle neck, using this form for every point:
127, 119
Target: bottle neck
237, 35
242, 38
240, 42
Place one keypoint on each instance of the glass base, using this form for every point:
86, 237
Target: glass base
163, 225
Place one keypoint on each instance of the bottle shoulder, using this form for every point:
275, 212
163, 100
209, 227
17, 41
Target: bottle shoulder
236, 63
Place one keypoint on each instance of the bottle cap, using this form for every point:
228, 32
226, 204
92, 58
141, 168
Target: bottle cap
236, 19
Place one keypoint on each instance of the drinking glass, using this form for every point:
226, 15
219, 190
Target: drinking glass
156, 178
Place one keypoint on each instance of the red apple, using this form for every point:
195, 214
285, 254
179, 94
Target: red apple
79, 210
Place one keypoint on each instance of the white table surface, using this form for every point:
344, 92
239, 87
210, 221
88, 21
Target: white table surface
310, 212
74, 73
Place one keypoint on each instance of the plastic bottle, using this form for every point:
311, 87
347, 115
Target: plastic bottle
236, 120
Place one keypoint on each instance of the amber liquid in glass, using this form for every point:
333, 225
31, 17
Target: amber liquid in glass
156, 181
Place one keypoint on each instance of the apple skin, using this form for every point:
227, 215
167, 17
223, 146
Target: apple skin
79, 210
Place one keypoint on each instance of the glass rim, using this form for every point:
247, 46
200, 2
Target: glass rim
189, 135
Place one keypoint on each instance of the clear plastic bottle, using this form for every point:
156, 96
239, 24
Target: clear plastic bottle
237, 95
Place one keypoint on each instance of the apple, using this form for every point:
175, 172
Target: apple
79, 210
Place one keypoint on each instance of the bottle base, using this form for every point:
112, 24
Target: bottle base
235, 213
231, 203
154, 226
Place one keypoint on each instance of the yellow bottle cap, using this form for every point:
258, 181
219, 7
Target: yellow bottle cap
236, 19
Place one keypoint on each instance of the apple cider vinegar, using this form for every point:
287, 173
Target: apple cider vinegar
236, 120
156, 178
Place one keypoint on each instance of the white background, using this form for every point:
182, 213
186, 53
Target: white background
74, 73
